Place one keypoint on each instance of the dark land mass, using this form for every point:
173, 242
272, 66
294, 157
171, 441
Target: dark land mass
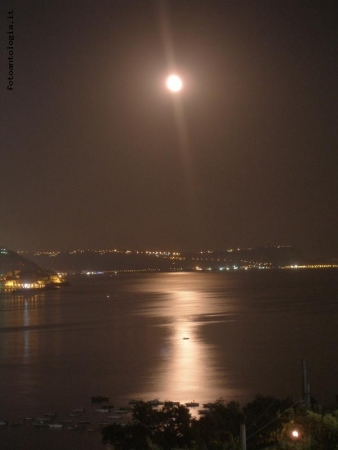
18, 272
124, 260
11, 261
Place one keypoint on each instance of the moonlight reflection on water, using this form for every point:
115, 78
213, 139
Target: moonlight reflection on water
180, 337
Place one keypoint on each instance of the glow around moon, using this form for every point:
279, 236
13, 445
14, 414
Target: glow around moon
174, 83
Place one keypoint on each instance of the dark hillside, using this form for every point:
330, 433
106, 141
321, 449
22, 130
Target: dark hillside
10, 261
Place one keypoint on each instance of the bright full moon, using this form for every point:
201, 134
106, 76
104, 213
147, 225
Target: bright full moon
174, 83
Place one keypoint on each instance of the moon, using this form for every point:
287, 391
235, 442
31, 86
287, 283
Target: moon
174, 83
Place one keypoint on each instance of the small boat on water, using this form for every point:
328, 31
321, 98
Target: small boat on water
192, 404
78, 410
103, 410
115, 416
43, 419
55, 426
156, 402
41, 424
208, 405
77, 428
3, 423
15, 424
170, 403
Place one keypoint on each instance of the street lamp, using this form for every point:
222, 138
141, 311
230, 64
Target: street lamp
295, 434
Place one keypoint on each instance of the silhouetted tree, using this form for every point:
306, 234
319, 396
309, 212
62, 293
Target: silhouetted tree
264, 418
168, 427
219, 428
316, 431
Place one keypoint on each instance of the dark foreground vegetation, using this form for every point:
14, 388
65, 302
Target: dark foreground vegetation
271, 423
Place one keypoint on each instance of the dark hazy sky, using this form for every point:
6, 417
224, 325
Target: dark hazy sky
95, 152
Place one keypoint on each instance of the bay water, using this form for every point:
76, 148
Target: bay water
173, 336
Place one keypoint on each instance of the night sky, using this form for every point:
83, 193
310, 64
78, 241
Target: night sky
97, 153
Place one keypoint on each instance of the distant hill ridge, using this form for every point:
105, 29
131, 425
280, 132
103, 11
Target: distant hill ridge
11, 261
109, 260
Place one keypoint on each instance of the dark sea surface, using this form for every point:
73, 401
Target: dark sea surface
177, 336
